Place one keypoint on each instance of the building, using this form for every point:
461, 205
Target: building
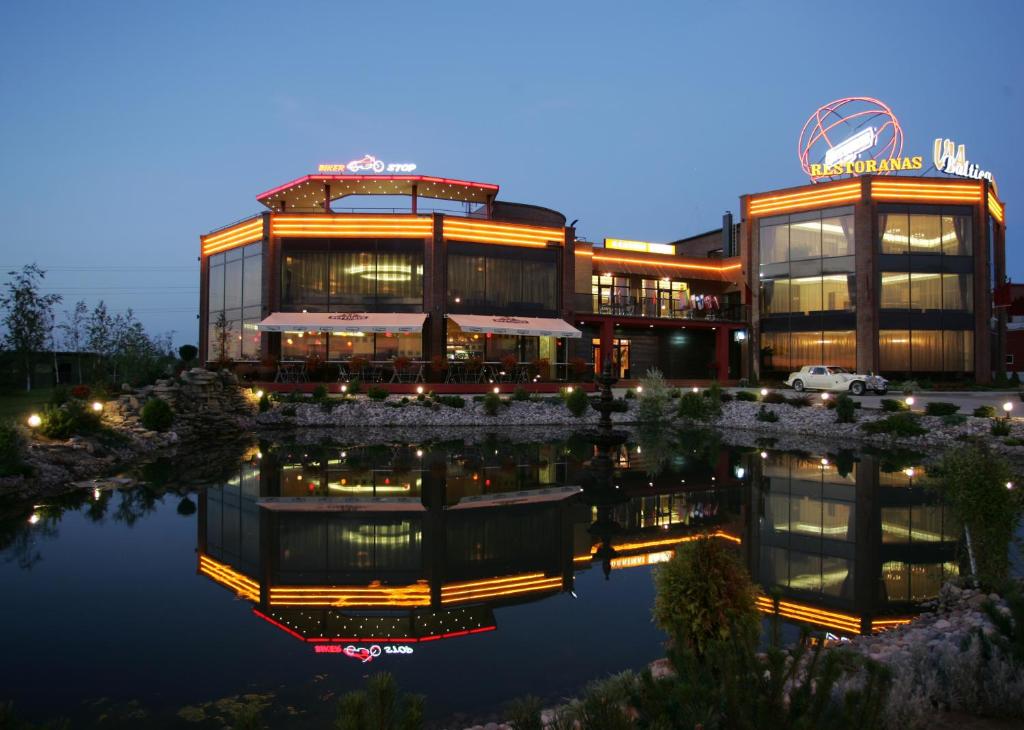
873, 273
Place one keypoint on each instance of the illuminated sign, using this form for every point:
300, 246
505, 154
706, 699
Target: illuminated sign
367, 164
952, 160
853, 136
642, 246
365, 654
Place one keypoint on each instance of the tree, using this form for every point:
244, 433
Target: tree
73, 331
222, 335
188, 353
28, 316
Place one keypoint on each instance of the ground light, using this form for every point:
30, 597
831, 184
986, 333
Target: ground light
1007, 407
259, 393
764, 392
696, 389
498, 390
344, 389
419, 389
97, 406
639, 389
764, 454
909, 400
824, 396
34, 421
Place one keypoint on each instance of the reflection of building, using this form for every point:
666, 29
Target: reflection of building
847, 544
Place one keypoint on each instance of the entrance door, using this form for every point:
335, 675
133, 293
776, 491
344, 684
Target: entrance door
620, 357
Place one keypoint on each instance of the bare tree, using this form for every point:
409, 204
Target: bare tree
74, 331
28, 316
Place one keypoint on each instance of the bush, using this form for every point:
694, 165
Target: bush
703, 595
492, 402
890, 405
452, 401
60, 395
355, 386
653, 406
846, 409
985, 412
12, 450
578, 402
801, 400
157, 415
630, 395
1001, 427
954, 419
381, 706
80, 391
264, 403
763, 414
695, 406
898, 424
520, 393
939, 408
288, 411
375, 392
188, 353
774, 396
71, 419
746, 395
319, 393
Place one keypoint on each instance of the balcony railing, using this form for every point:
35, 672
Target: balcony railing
653, 309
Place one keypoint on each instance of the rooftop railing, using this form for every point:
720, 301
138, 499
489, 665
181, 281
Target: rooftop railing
630, 306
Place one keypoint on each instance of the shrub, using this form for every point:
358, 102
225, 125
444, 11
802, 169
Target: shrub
264, 403
703, 595
12, 449
71, 419
188, 353
375, 392
60, 395
954, 419
695, 406
653, 406
763, 414
619, 405
891, 405
1014, 378
746, 395
319, 393
80, 391
577, 402
288, 411
985, 412
452, 401
898, 424
801, 400
379, 706
520, 393
630, 395
1001, 427
492, 402
846, 409
355, 386
774, 396
939, 408
157, 415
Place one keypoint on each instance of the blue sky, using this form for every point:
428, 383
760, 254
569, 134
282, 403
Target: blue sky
130, 128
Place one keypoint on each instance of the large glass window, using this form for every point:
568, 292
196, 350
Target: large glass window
905, 351
774, 240
925, 233
234, 304
496, 279
342, 346
786, 351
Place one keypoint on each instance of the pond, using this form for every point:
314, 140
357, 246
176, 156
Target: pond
475, 569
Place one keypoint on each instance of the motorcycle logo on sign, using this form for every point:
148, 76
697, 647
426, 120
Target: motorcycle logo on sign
853, 136
367, 164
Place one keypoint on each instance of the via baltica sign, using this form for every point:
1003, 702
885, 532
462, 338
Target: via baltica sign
952, 160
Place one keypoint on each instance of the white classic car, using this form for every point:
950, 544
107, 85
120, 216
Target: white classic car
830, 377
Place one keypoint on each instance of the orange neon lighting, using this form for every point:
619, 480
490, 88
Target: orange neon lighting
671, 264
995, 208
933, 192
498, 587
351, 226
228, 577
672, 541
581, 252
809, 614
460, 229
844, 193
237, 235
416, 594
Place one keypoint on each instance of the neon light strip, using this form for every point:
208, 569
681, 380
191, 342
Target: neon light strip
226, 576
671, 264
953, 193
313, 226
478, 232
237, 235
377, 178
995, 207
847, 192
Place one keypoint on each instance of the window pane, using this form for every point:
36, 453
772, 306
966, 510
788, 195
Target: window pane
895, 290
216, 289
399, 277
304, 278
300, 346
346, 345
926, 350
806, 294
466, 277
895, 229
958, 351
775, 351
775, 296
925, 234
840, 348
838, 292
926, 291
957, 294
774, 244
252, 283
250, 340
807, 348
352, 277
837, 236
233, 284
399, 345
805, 239
956, 235
894, 350
539, 284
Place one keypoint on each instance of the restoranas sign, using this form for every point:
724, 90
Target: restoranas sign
861, 167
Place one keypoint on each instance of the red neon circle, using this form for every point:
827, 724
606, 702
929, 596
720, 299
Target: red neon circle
844, 116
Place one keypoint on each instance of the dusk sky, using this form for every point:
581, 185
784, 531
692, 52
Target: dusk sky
128, 129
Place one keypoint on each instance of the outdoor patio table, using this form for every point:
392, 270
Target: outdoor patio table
291, 372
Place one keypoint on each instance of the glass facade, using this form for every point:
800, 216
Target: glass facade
346, 345
807, 277
489, 279
234, 307
352, 275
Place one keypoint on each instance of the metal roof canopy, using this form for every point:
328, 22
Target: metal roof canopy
309, 191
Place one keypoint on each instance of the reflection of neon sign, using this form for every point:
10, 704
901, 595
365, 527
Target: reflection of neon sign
365, 654
369, 164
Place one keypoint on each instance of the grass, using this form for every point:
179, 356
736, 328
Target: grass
18, 405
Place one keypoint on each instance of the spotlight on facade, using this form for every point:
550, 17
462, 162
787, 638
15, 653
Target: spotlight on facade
419, 453
569, 389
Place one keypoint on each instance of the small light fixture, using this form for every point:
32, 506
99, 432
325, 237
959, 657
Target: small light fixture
639, 389
1007, 407
259, 393
764, 454
497, 389
824, 396
569, 389
97, 406
1009, 485
419, 453
34, 421
344, 389
419, 389
696, 389
764, 392
34, 518
909, 400
909, 471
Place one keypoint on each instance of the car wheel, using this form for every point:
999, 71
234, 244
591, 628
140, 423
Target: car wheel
857, 387
798, 385
881, 391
